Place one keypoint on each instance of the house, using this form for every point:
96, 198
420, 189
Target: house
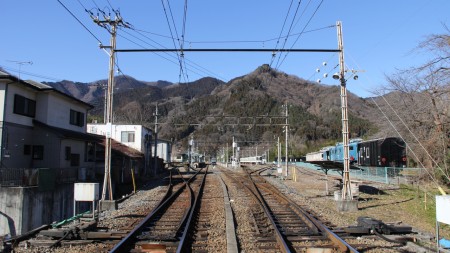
29, 113
44, 150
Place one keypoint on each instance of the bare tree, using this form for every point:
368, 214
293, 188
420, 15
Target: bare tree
419, 99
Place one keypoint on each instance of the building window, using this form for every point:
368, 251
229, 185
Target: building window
76, 118
127, 136
74, 159
24, 106
38, 152
67, 153
27, 149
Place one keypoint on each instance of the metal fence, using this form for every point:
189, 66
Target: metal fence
26, 177
387, 175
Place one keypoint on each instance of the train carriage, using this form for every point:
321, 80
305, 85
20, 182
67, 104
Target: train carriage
386, 152
314, 156
337, 152
252, 160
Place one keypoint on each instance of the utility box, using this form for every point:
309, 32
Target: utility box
86, 192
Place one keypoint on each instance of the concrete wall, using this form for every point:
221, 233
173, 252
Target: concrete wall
25, 208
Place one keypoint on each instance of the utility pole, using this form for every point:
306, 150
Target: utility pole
233, 159
346, 188
226, 156
286, 134
156, 140
111, 26
279, 152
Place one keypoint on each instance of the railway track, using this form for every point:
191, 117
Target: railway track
165, 228
280, 224
191, 216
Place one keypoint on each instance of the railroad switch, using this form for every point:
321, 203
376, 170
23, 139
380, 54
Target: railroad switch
367, 225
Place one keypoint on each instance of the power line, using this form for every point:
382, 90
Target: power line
173, 38
99, 41
190, 63
31, 74
176, 63
298, 37
182, 36
236, 41
289, 31
281, 32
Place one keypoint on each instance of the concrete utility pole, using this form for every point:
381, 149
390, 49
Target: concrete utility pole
346, 188
111, 26
156, 140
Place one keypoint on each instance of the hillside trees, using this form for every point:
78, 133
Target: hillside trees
419, 105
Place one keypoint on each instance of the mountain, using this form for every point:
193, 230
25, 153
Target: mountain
89, 92
247, 107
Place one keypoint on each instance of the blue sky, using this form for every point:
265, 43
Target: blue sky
379, 37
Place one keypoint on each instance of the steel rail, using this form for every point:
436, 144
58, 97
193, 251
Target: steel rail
125, 244
280, 238
189, 222
341, 244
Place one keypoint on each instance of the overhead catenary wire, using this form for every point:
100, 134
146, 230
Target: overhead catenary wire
289, 31
173, 38
200, 68
175, 61
298, 37
281, 32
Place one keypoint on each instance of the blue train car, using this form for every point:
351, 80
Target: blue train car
337, 152
390, 151
326, 153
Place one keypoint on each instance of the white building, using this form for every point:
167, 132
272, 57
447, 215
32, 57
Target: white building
137, 137
133, 136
